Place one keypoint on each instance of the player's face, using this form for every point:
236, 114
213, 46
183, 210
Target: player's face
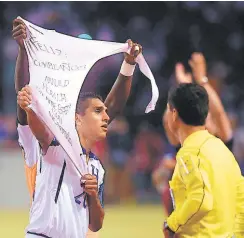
94, 122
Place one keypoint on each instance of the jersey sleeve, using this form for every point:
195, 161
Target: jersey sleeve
199, 198
29, 145
101, 194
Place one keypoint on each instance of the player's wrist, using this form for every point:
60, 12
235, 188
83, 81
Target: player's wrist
22, 48
130, 59
127, 69
202, 80
93, 197
93, 200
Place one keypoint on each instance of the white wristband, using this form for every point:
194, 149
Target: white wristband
127, 69
204, 80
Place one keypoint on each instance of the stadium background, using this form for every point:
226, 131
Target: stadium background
169, 32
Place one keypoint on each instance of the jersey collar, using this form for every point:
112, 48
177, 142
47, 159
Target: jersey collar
196, 138
91, 155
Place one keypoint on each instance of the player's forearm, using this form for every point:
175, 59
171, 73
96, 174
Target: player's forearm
96, 214
218, 113
22, 78
40, 130
22, 75
118, 95
21, 115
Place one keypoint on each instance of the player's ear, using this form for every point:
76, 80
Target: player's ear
78, 119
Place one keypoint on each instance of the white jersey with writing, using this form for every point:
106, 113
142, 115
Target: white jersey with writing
59, 208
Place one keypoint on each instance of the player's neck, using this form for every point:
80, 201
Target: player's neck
86, 144
185, 131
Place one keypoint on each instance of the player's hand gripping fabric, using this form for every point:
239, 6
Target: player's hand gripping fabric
19, 32
90, 185
24, 98
135, 50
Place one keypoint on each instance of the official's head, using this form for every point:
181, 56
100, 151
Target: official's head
187, 105
91, 116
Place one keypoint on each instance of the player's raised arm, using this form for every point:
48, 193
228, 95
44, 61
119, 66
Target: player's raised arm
220, 118
22, 76
38, 128
120, 91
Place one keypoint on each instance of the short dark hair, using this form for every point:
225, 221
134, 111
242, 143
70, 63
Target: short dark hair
191, 102
83, 97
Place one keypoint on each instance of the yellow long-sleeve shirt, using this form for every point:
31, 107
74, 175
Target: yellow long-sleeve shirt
207, 190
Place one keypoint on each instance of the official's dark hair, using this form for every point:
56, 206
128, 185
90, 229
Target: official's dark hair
82, 99
191, 102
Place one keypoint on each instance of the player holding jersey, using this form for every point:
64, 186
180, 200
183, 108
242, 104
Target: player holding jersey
121, 89
62, 207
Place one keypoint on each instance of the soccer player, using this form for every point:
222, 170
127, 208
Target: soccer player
29, 144
207, 186
115, 100
62, 207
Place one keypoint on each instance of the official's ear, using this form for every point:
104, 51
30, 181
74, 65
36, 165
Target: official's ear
175, 115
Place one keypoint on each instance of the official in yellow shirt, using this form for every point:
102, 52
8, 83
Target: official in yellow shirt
207, 187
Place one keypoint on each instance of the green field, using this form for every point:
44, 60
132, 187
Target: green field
120, 222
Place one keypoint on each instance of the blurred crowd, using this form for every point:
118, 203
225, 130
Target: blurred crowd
169, 32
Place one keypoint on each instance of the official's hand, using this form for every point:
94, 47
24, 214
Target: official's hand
135, 50
167, 232
24, 98
90, 185
198, 66
19, 32
181, 75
